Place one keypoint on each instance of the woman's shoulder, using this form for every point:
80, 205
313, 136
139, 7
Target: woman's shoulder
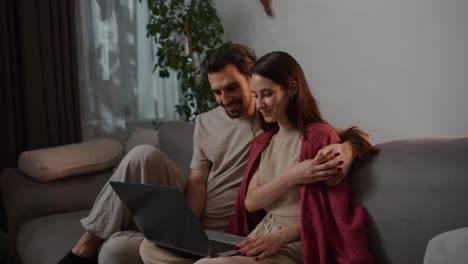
320, 127
266, 135
321, 130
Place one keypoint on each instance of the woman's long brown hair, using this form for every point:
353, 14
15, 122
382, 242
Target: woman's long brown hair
284, 70
303, 109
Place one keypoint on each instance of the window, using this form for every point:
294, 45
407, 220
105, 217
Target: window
118, 88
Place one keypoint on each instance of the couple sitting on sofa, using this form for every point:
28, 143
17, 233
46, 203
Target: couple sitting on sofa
266, 109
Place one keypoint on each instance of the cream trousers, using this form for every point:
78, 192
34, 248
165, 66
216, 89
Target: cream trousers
110, 220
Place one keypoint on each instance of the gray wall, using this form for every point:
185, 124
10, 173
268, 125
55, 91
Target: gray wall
398, 68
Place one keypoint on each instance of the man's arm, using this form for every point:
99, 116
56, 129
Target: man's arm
195, 191
355, 145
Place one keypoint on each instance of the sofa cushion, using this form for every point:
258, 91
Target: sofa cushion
176, 141
141, 136
448, 247
413, 189
68, 160
26, 199
47, 239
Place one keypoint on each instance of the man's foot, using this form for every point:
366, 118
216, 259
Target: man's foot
71, 258
85, 250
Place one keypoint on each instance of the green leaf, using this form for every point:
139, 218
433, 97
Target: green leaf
167, 26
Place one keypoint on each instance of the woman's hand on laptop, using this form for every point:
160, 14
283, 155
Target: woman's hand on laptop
261, 246
266, 245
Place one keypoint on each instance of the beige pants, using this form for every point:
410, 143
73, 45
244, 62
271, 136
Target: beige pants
151, 254
109, 219
289, 254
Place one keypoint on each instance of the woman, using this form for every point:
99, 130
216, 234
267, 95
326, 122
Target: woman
283, 206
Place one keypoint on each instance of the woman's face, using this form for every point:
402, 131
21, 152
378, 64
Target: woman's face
271, 99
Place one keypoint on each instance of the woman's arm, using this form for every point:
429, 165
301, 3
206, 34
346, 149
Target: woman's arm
305, 172
268, 244
259, 196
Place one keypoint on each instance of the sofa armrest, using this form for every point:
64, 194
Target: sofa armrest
25, 199
448, 247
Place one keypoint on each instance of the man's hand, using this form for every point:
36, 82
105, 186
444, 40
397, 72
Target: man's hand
310, 171
346, 155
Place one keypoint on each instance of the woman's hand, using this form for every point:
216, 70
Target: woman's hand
261, 246
310, 171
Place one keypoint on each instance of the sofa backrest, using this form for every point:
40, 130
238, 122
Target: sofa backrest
176, 141
413, 190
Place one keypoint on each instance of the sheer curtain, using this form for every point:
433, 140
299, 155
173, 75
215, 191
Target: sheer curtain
118, 88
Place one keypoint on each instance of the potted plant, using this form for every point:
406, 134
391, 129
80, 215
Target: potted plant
184, 31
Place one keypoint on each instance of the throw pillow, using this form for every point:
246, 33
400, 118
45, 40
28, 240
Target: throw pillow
68, 160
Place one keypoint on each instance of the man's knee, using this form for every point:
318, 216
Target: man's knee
143, 153
204, 261
142, 158
147, 251
151, 253
122, 247
143, 249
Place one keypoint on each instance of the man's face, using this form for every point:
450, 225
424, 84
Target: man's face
232, 90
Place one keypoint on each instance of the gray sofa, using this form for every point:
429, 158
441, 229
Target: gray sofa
413, 189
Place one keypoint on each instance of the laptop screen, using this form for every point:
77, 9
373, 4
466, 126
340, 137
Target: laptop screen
162, 215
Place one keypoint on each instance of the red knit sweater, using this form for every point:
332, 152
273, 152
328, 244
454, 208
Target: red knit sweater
333, 229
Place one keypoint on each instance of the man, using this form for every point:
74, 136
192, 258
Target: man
222, 140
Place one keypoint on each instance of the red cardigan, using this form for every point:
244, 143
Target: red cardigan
333, 229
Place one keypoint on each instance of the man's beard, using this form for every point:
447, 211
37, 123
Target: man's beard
234, 113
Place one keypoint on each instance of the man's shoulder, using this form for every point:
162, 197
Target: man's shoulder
209, 121
211, 115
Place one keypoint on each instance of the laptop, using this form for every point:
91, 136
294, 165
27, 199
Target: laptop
163, 216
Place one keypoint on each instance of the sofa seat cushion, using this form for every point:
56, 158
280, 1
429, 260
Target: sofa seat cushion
54, 163
47, 239
449, 247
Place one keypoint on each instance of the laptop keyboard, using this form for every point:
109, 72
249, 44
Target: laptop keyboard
221, 247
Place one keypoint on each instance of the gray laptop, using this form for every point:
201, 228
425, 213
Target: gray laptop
163, 216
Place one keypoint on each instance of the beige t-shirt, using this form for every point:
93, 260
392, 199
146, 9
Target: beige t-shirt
281, 154
222, 145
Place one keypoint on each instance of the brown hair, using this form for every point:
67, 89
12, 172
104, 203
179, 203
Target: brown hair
284, 70
230, 53
362, 148
303, 109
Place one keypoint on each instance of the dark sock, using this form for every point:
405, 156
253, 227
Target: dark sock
71, 258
